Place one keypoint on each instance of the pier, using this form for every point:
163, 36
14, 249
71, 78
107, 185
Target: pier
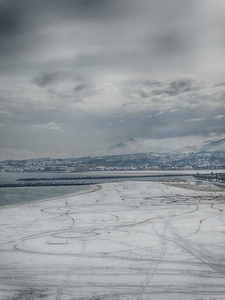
218, 177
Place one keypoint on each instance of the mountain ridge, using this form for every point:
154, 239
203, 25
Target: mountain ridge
133, 146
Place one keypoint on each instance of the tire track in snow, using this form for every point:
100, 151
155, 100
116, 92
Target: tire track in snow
198, 251
152, 270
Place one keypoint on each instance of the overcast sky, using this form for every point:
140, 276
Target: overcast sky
79, 75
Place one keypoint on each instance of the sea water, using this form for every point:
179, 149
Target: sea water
19, 195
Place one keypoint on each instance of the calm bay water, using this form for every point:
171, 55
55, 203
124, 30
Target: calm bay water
19, 195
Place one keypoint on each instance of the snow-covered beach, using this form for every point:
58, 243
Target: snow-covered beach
127, 240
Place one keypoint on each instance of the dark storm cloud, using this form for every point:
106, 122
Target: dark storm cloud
17, 17
174, 125
47, 78
80, 86
10, 21
162, 90
155, 117
181, 86
171, 42
177, 87
24, 27
68, 87
138, 35
88, 8
20, 14
181, 107
126, 33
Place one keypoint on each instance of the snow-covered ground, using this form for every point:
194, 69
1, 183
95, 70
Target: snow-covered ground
128, 240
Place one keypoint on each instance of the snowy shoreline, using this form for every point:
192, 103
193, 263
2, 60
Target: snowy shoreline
127, 240
91, 188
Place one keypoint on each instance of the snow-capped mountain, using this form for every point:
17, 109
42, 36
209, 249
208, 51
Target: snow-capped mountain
132, 146
214, 146
207, 146
127, 147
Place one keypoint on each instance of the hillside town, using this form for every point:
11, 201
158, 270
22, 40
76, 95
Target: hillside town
127, 162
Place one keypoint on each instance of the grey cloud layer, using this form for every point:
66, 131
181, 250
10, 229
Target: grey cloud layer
90, 72
151, 104
122, 34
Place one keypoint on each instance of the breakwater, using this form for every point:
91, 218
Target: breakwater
36, 184
99, 177
84, 180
